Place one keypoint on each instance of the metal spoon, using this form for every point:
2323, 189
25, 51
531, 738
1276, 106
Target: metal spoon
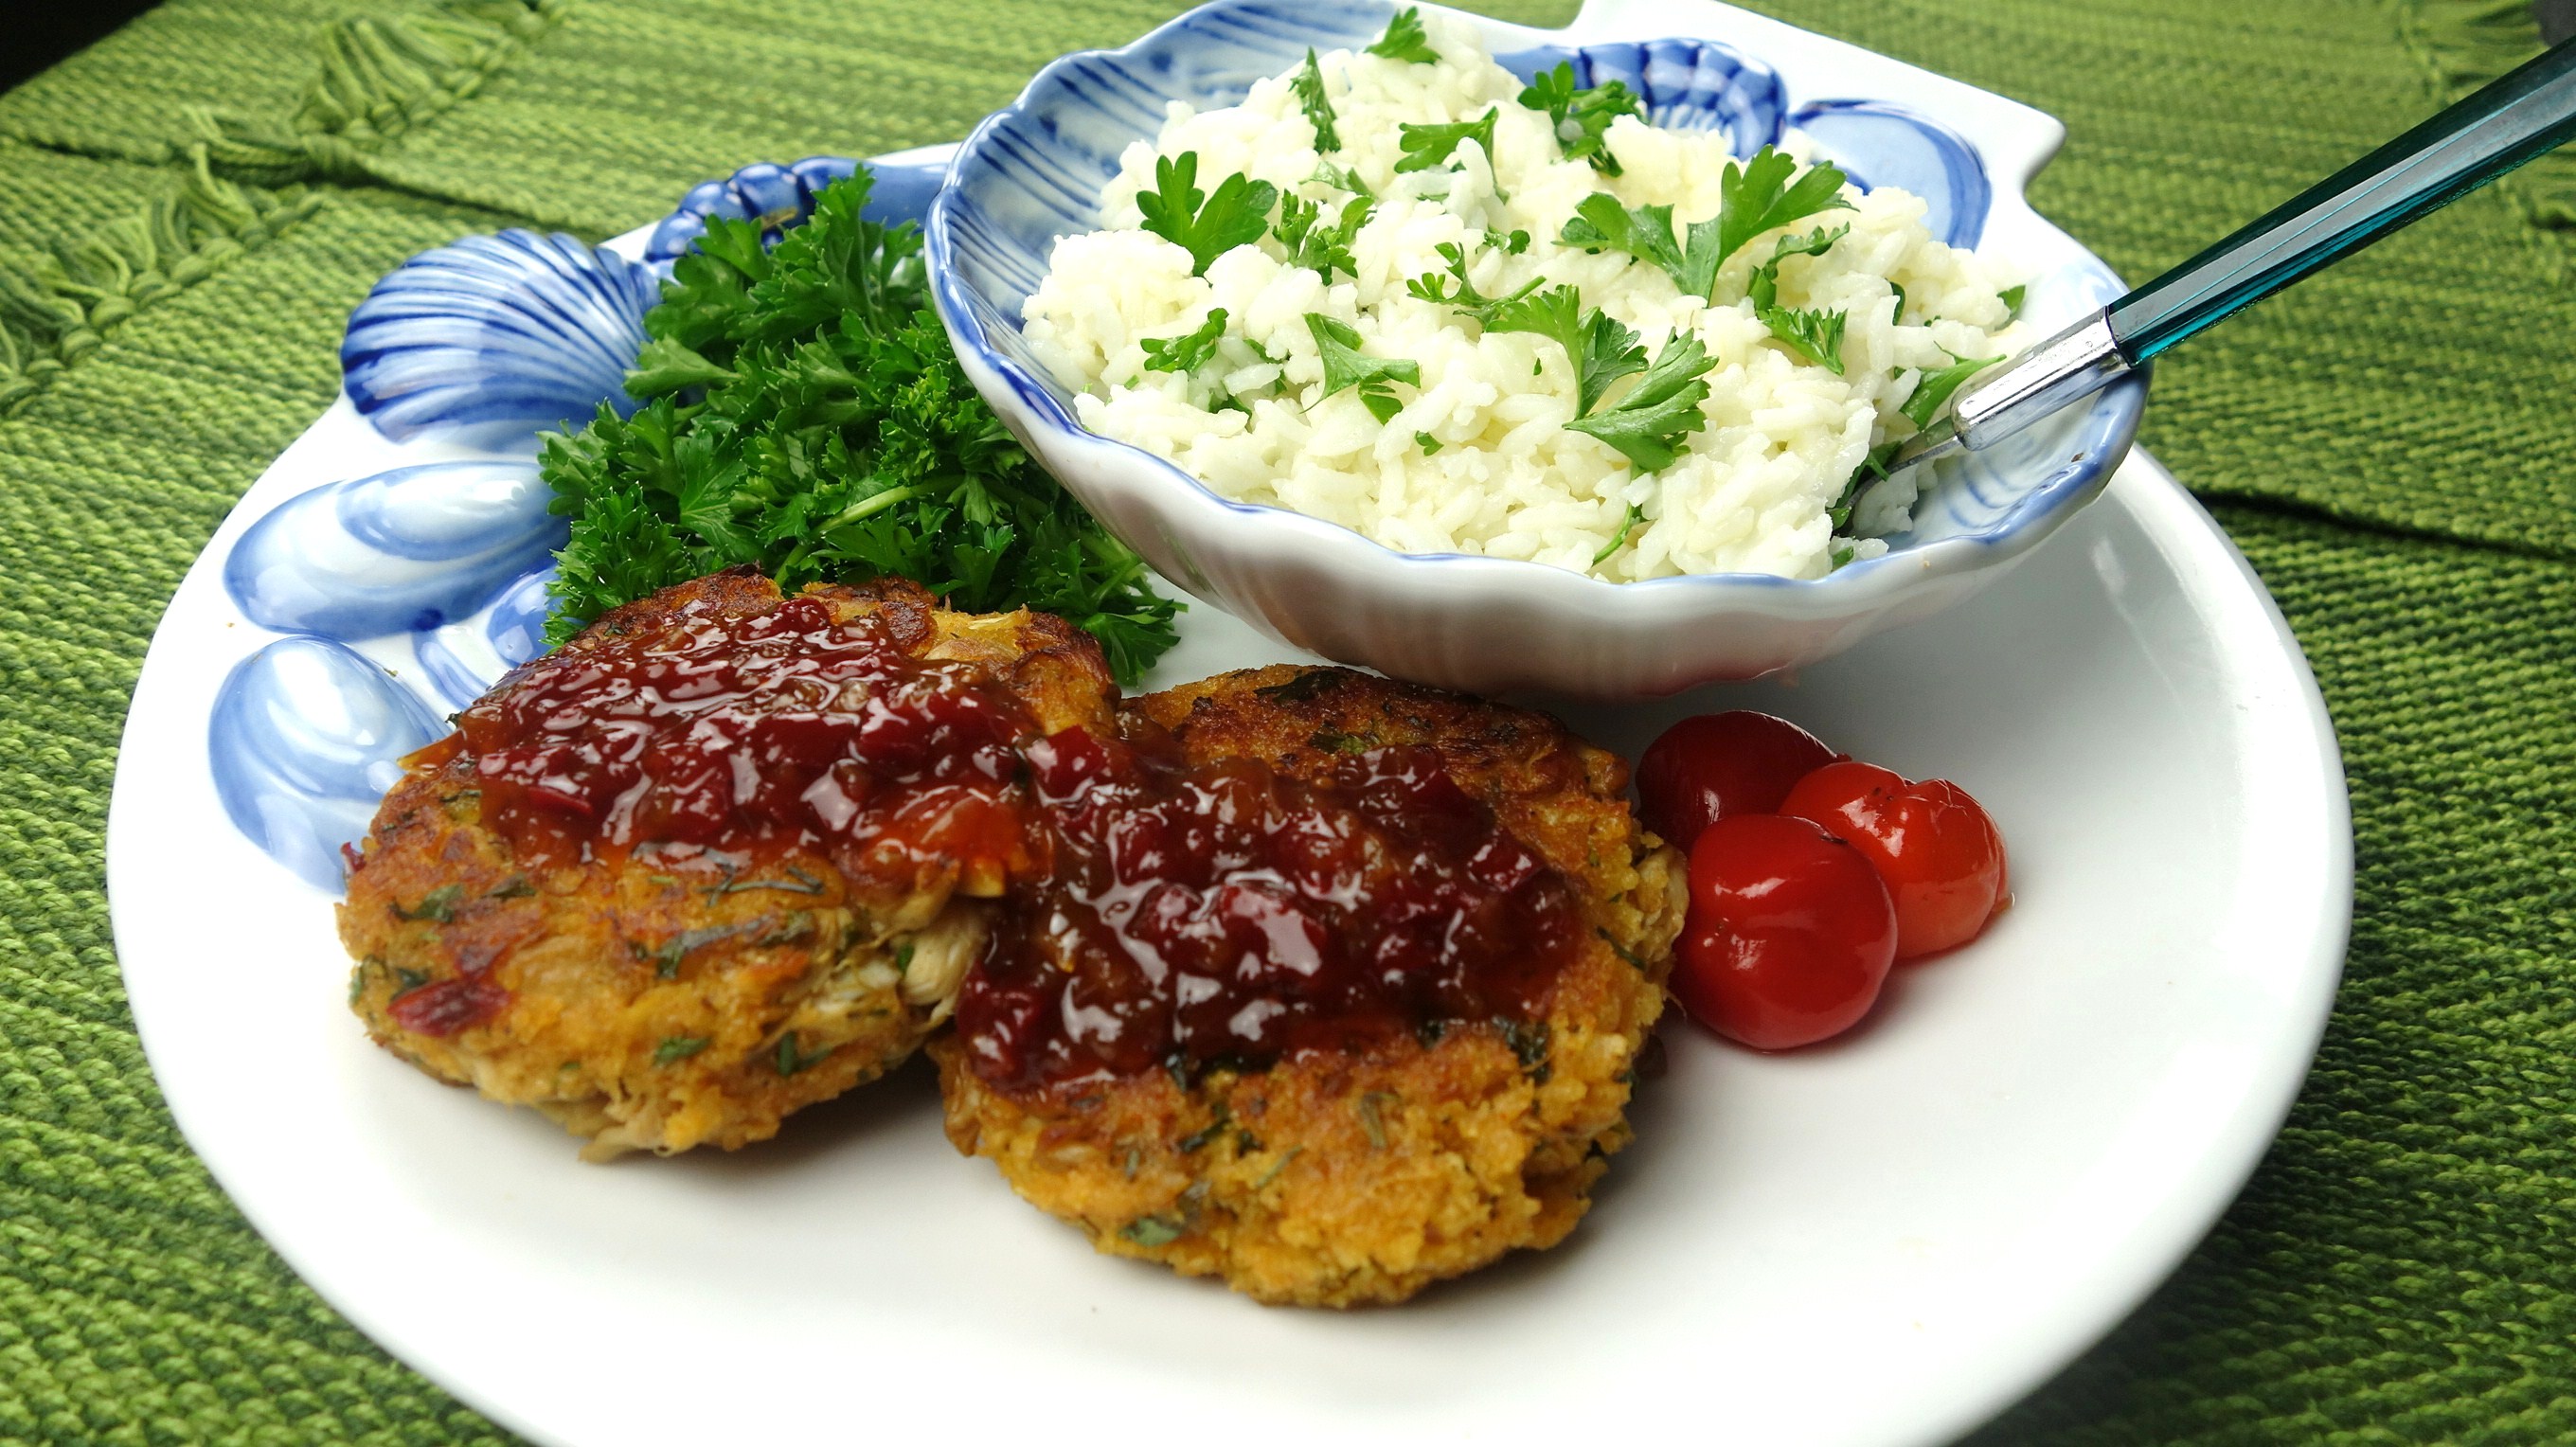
2518, 118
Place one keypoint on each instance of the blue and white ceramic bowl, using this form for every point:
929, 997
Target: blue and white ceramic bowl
1033, 173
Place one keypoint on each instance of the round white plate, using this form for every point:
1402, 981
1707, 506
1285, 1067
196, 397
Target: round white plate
1881, 1241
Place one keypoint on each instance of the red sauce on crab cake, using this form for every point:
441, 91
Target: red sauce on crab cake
1223, 913
1161, 914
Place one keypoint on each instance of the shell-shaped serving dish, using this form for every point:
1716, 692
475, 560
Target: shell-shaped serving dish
1033, 173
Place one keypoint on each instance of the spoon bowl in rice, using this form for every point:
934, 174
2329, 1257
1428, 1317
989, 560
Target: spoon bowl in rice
1446, 523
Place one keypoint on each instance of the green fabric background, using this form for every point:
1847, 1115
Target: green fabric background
2389, 444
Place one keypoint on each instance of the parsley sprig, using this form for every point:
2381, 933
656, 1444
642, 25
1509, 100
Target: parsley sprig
1187, 352
1345, 366
1315, 245
1309, 86
1207, 226
1815, 335
1753, 198
806, 414
1582, 117
1600, 350
1649, 423
1431, 145
1405, 39
1457, 289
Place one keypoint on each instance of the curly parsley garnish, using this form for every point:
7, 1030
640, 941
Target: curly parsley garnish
1582, 117
1206, 226
805, 414
1309, 86
1405, 39
1344, 366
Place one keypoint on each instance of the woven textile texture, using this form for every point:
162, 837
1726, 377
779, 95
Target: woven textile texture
194, 204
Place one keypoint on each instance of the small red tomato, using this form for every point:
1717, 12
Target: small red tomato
1790, 933
1717, 765
1941, 855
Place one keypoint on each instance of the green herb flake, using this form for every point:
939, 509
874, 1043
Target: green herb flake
1429, 444
1635, 961
1205, 225
1897, 317
1648, 424
1152, 1231
676, 1048
666, 960
514, 887
1528, 1040
1346, 367
790, 1062
2011, 296
1840, 556
438, 906
1309, 86
1430, 145
406, 981
1197, 1140
1582, 117
1189, 351
1333, 741
1278, 1166
797, 882
1371, 1119
1405, 39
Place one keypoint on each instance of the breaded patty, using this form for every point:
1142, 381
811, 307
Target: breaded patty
659, 995
1338, 1177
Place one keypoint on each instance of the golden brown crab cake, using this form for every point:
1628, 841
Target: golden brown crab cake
723, 855
1360, 1165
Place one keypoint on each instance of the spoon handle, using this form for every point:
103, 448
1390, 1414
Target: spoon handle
2519, 117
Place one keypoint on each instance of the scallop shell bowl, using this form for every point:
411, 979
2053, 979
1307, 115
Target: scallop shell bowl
1033, 173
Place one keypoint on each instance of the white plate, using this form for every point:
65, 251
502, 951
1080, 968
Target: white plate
1882, 1241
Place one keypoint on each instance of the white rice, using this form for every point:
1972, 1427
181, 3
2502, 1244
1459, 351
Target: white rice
1750, 493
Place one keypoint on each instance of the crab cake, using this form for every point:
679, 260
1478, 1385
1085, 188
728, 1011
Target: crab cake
1336, 988
723, 855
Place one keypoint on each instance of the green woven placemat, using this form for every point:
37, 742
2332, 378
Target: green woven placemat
2397, 1271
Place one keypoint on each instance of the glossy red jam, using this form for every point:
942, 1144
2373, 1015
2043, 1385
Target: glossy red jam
753, 733
1158, 914
1222, 913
